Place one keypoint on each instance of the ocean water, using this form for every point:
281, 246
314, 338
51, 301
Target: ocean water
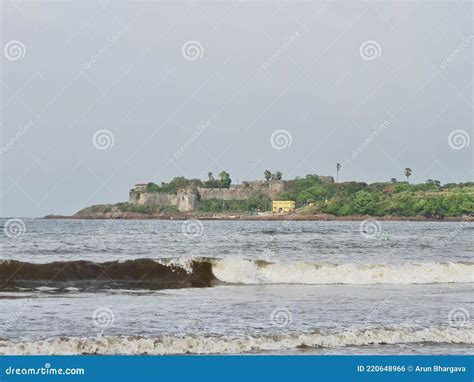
233, 287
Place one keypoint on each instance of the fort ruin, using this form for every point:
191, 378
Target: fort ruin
188, 199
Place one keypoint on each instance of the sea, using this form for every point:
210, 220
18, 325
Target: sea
236, 287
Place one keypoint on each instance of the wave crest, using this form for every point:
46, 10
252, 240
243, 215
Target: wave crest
182, 273
237, 345
248, 272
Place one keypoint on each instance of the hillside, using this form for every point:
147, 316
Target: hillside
318, 199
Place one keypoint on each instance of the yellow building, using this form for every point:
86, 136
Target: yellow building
283, 206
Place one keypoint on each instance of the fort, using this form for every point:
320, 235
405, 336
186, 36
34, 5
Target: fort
188, 199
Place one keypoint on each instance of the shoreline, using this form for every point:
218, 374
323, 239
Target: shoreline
243, 217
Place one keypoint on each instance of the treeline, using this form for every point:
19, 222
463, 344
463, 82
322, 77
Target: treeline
430, 199
313, 196
223, 181
180, 182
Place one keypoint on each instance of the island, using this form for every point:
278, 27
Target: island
312, 197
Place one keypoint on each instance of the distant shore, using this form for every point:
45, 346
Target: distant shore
247, 217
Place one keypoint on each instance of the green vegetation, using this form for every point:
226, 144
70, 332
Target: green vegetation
126, 207
429, 199
144, 209
270, 176
408, 174
313, 195
224, 181
338, 168
177, 183
258, 202
180, 182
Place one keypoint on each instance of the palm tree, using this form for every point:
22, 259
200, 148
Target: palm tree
338, 167
408, 174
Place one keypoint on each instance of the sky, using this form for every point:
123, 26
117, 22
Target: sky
98, 96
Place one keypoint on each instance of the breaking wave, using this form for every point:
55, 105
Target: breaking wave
237, 345
249, 272
176, 273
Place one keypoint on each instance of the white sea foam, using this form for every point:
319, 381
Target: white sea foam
249, 272
233, 345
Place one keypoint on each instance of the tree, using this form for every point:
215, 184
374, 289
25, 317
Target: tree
224, 179
268, 175
393, 180
152, 187
209, 176
338, 167
278, 175
363, 203
408, 174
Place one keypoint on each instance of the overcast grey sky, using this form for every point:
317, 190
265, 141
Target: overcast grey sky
192, 87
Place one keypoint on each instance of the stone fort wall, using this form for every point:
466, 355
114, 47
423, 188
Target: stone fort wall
188, 200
